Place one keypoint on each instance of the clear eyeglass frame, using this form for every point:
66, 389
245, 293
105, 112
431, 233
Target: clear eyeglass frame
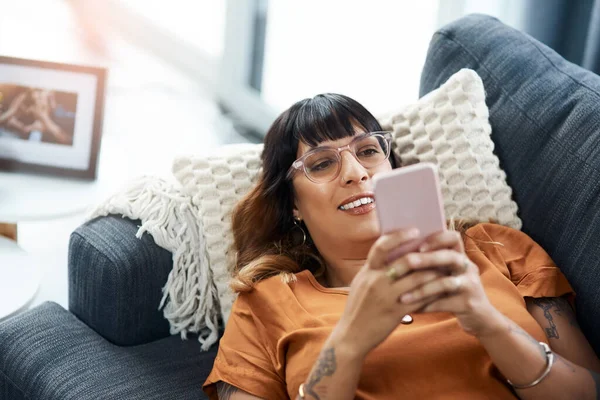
299, 164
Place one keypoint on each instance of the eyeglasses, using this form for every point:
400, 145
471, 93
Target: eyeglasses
324, 164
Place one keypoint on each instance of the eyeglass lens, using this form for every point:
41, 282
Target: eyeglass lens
323, 165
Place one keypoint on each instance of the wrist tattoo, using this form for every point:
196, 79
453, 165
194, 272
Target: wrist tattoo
326, 366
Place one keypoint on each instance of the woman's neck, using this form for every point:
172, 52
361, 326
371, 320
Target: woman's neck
342, 272
343, 261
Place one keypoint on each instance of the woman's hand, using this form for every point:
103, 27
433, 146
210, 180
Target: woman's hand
460, 291
374, 309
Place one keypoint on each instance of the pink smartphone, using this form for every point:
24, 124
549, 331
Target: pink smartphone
410, 197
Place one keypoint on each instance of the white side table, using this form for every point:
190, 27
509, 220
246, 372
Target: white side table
19, 278
28, 197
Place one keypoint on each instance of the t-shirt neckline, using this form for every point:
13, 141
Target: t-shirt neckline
322, 288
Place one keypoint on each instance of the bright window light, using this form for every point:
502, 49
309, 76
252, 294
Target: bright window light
199, 22
371, 51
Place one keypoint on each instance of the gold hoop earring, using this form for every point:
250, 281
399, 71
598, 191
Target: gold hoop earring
297, 225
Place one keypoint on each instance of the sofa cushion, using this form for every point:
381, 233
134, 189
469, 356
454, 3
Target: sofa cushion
449, 127
545, 119
47, 353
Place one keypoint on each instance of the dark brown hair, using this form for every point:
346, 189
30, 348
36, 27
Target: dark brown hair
266, 240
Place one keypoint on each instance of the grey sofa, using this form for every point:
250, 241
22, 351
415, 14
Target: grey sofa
113, 342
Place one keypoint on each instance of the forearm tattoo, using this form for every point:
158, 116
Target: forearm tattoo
326, 366
560, 307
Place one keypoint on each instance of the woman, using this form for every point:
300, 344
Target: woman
321, 315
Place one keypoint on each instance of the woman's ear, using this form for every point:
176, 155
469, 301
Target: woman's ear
296, 214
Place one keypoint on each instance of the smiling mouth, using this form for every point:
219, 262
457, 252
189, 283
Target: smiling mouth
357, 203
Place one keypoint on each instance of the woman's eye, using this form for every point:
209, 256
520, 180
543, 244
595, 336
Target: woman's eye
321, 165
368, 152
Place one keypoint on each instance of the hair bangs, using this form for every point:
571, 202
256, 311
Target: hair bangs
331, 117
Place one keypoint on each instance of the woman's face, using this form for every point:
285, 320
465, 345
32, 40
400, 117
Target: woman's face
325, 207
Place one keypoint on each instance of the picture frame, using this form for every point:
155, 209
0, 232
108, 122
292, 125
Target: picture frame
51, 117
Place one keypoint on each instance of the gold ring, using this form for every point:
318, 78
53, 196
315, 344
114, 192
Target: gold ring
392, 273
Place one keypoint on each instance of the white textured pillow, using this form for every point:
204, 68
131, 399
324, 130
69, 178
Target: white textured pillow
448, 127
216, 183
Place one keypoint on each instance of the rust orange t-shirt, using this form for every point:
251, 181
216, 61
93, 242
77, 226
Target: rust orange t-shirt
276, 332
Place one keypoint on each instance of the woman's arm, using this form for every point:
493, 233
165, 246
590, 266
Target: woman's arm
336, 370
521, 359
225, 391
557, 318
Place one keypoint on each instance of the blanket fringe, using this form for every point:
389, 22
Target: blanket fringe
190, 300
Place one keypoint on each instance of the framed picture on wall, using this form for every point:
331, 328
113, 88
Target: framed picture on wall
50, 117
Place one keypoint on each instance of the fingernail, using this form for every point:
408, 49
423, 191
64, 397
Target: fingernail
407, 298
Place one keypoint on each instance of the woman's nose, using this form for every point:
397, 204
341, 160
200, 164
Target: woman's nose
352, 170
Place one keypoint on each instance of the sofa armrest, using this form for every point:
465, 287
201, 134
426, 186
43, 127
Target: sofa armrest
47, 353
116, 280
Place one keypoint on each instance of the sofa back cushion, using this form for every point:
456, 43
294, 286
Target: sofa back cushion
545, 114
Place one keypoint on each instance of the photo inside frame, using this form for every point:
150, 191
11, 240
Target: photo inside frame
34, 114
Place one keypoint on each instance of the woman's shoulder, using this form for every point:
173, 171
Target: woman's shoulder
271, 304
494, 231
272, 290
512, 244
524, 261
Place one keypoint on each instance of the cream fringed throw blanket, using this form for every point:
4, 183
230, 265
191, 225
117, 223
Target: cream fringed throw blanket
189, 299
